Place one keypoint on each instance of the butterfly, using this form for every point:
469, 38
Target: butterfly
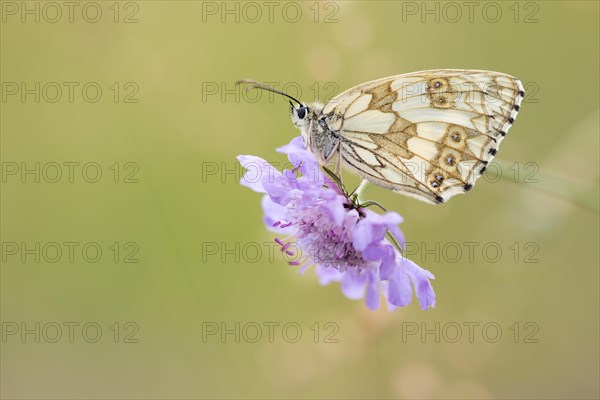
427, 134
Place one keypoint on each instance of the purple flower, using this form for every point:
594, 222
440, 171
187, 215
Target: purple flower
347, 242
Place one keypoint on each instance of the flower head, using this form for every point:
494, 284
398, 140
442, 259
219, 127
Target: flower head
346, 241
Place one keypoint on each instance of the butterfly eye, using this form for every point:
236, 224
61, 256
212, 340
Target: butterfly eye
302, 112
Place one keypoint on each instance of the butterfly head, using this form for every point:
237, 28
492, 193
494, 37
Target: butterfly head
301, 117
306, 119
300, 114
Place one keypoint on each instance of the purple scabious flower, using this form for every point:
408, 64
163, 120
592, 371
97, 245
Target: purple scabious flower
347, 242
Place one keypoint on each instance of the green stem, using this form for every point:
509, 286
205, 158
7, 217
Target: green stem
583, 194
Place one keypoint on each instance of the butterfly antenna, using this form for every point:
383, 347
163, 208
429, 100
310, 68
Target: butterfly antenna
251, 84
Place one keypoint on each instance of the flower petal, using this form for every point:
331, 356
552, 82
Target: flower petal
364, 235
256, 170
372, 229
327, 275
274, 212
420, 279
395, 230
278, 188
353, 284
388, 262
399, 290
372, 298
295, 145
375, 252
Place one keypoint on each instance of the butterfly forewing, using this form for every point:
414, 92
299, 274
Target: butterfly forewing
427, 134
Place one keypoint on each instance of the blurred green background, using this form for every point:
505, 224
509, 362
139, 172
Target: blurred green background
164, 133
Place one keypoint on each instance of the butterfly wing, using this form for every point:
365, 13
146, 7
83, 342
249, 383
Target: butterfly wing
427, 134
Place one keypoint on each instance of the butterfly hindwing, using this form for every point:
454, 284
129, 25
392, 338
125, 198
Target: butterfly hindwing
427, 134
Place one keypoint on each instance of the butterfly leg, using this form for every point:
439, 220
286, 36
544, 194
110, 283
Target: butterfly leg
338, 167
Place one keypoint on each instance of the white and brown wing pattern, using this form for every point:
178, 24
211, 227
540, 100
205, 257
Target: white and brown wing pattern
427, 134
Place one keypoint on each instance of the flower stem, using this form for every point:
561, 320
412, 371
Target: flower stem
566, 187
360, 189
